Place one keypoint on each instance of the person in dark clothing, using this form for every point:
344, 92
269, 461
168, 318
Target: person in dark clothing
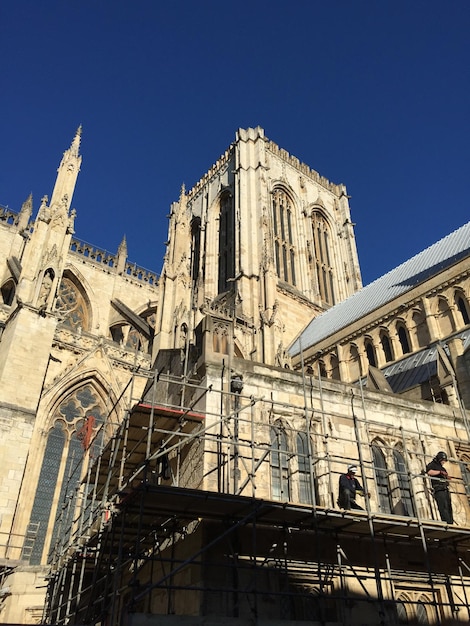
349, 486
440, 486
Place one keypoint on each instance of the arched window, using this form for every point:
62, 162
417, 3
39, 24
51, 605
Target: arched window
403, 338
462, 307
226, 243
280, 477
402, 496
323, 257
386, 346
284, 249
76, 420
305, 478
381, 479
370, 351
72, 305
322, 369
196, 247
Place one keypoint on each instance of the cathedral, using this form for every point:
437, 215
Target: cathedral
172, 444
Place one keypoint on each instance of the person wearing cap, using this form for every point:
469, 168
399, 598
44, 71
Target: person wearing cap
440, 486
349, 486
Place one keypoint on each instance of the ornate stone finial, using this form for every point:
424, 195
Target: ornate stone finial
183, 197
121, 256
122, 249
27, 206
25, 212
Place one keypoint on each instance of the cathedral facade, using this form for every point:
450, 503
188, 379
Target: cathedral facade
264, 368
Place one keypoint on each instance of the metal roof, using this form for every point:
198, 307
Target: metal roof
398, 281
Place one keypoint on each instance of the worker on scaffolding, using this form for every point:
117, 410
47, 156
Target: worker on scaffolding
349, 486
440, 486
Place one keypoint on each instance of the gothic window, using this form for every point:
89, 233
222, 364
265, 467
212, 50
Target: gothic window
386, 346
284, 249
370, 352
381, 479
323, 257
402, 496
226, 243
196, 247
76, 421
8, 292
280, 477
403, 338
462, 307
304, 463
322, 369
71, 304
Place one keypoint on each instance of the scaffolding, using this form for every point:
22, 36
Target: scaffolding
177, 517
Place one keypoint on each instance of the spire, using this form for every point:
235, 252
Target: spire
67, 175
75, 146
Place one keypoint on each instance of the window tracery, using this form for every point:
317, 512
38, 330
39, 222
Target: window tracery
284, 249
323, 257
72, 305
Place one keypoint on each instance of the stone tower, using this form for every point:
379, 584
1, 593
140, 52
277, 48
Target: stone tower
265, 243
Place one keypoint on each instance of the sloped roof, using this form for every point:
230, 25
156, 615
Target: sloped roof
398, 281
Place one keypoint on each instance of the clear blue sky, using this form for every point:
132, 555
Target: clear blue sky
373, 94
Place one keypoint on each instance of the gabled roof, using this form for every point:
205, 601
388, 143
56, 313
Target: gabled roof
398, 281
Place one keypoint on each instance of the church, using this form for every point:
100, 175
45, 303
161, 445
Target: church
172, 444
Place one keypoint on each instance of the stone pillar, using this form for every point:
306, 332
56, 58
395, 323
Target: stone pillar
433, 328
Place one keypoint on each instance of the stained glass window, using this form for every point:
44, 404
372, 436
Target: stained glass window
61, 469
